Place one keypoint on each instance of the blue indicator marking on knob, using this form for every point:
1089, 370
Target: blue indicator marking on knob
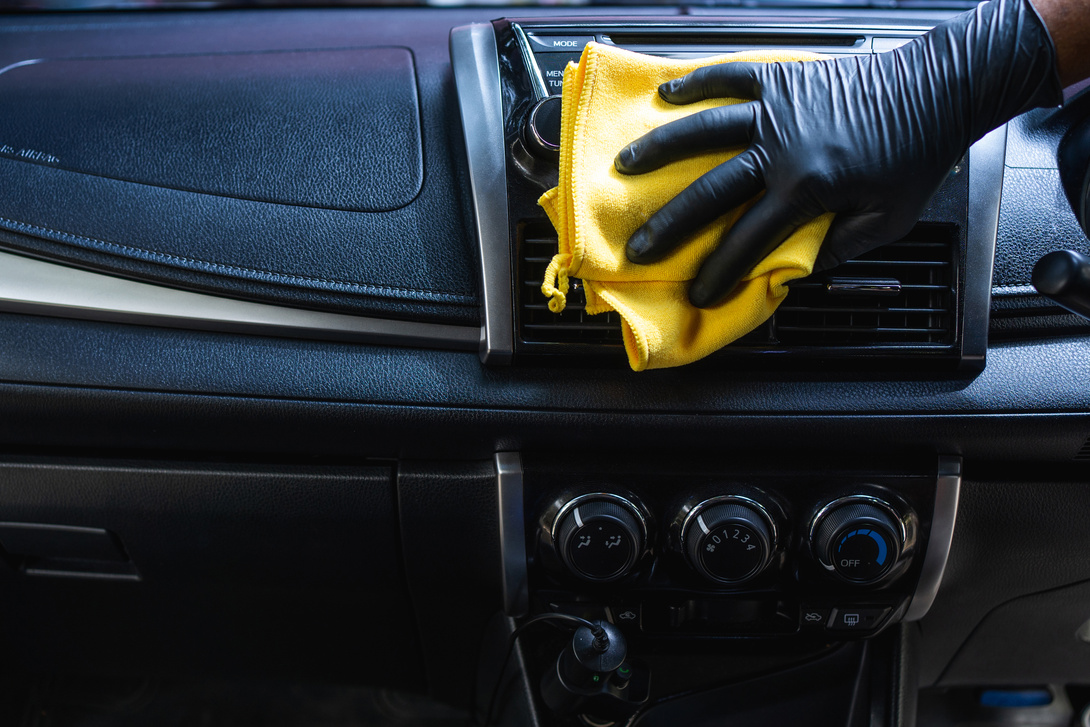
881, 545
883, 548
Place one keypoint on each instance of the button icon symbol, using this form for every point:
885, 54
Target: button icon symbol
812, 616
584, 541
613, 542
851, 619
627, 616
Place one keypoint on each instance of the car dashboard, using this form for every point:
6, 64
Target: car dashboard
279, 399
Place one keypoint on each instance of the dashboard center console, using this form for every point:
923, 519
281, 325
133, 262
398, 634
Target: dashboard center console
702, 554
920, 302
721, 570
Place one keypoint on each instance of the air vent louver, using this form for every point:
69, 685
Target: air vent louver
920, 312
902, 295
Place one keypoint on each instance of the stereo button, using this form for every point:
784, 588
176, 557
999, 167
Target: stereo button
552, 70
558, 43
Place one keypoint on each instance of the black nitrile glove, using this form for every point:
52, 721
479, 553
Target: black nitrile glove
870, 138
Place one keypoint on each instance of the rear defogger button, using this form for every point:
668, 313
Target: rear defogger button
857, 619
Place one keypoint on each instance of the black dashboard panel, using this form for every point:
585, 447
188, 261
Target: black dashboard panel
250, 195
368, 469
286, 127
239, 569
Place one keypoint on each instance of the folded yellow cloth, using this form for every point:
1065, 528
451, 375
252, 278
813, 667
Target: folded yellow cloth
610, 99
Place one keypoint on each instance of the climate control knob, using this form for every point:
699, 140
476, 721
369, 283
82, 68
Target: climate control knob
600, 537
728, 540
858, 539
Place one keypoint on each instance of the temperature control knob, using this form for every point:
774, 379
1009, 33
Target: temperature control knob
728, 540
600, 537
858, 539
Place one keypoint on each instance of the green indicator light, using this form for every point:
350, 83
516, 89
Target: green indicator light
623, 670
596, 678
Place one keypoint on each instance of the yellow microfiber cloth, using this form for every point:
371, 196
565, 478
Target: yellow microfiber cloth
609, 100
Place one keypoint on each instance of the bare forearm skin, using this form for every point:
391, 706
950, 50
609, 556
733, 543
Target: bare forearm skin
1068, 23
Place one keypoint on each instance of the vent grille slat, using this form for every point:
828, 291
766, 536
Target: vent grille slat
922, 314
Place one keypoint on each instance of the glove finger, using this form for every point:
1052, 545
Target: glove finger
735, 80
756, 234
716, 128
851, 235
710, 196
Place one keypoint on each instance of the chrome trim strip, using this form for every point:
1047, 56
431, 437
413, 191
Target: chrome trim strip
986, 159
516, 595
863, 286
947, 490
474, 59
20, 64
45, 572
735, 24
36, 287
536, 80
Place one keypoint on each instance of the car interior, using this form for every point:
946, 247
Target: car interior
290, 436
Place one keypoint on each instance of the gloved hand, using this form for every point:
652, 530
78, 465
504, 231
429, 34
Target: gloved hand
870, 138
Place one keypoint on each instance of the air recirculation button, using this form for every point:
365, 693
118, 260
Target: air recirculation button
729, 541
859, 541
600, 538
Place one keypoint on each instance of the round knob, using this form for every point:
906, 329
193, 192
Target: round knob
542, 128
858, 540
600, 538
730, 541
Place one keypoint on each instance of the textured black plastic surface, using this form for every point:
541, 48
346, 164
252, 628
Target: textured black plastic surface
450, 545
1013, 539
338, 129
244, 571
1074, 162
250, 394
1035, 219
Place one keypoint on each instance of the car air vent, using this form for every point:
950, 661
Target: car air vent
537, 323
902, 293
898, 296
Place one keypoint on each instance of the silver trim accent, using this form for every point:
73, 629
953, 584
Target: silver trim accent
531, 126
947, 491
863, 286
702, 24
698, 513
20, 64
47, 573
986, 162
475, 61
536, 79
516, 593
36, 287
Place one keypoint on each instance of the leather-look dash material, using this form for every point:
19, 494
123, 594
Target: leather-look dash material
1034, 220
311, 171
299, 128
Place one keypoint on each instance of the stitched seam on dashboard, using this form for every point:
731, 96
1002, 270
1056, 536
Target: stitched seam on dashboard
238, 271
